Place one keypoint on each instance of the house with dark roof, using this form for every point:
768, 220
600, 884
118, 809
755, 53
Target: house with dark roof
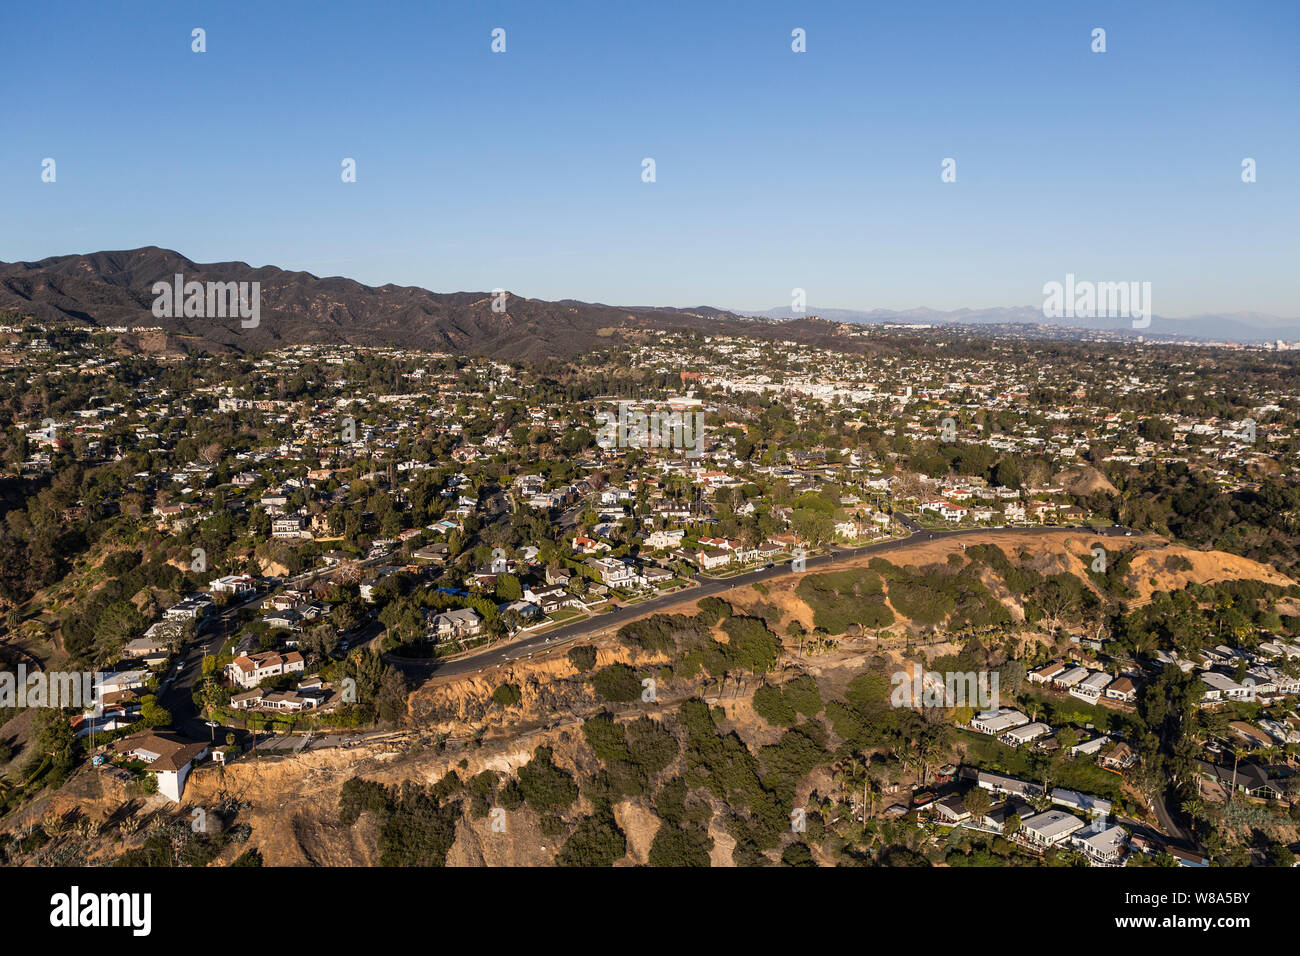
169, 757
1248, 778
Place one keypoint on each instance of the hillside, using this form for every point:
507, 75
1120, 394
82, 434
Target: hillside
115, 289
757, 698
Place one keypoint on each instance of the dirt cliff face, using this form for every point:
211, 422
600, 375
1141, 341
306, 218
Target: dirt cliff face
292, 802
550, 687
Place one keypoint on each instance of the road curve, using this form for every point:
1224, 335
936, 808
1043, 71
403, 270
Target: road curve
707, 586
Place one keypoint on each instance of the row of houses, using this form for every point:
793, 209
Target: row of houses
715, 553
313, 693
1085, 684
1014, 729
1101, 842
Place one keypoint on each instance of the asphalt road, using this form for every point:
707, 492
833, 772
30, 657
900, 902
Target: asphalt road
177, 696
523, 647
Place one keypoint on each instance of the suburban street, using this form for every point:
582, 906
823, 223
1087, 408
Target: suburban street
177, 694
524, 646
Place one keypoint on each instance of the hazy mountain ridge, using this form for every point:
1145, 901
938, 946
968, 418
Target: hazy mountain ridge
114, 288
1242, 327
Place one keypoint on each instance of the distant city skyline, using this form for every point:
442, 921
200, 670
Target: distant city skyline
774, 170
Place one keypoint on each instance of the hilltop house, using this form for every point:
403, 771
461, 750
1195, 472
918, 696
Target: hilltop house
1102, 844
169, 758
613, 572
250, 670
1049, 828
995, 722
998, 783
455, 625
237, 584
1091, 687
1220, 687
193, 608
1047, 673
1122, 689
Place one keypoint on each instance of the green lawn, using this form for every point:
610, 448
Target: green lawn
565, 614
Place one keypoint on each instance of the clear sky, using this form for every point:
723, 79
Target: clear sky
774, 170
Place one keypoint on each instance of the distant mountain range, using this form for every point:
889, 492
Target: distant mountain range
1243, 327
116, 289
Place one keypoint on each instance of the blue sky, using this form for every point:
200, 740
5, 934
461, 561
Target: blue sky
775, 170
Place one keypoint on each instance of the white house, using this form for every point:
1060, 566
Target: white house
250, 670
1017, 736
1089, 747
169, 758
613, 572
707, 560
1070, 677
193, 608
1008, 786
951, 512
1046, 673
1103, 844
1121, 689
665, 539
289, 526
449, 625
238, 584
994, 722
118, 681
1220, 687
1091, 687
1083, 802
1049, 828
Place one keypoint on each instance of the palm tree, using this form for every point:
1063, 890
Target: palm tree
853, 773
879, 775
930, 743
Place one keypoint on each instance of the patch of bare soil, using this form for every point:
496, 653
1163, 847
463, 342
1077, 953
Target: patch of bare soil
1085, 480
639, 824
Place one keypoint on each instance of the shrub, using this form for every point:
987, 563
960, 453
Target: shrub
617, 682
545, 787
771, 705
507, 695
582, 657
712, 610
595, 841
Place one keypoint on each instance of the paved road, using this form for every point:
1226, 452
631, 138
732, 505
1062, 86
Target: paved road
1176, 835
177, 694
525, 646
